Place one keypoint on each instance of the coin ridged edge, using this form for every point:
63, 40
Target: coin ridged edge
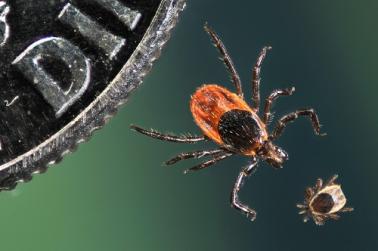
99, 112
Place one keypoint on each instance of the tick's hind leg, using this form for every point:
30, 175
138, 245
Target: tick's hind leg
226, 59
191, 155
256, 78
235, 202
346, 209
282, 123
168, 137
210, 162
331, 180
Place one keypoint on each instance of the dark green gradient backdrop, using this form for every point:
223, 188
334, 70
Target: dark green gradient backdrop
114, 194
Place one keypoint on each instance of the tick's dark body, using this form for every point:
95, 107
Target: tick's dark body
323, 203
239, 130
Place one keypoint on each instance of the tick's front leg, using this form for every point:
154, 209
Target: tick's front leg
256, 78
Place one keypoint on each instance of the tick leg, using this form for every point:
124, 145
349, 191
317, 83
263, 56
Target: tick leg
306, 218
309, 193
332, 180
168, 137
272, 97
319, 219
282, 123
226, 59
190, 155
347, 209
319, 184
235, 202
256, 78
301, 206
334, 216
208, 163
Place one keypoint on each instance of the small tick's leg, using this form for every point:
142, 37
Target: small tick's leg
301, 206
208, 163
190, 155
319, 219
334, 216
282, 123
226, 59
306, 218
332, 180
167, 137
346, 209
319, 184
256, 78
309, 193
272, 97
235, 202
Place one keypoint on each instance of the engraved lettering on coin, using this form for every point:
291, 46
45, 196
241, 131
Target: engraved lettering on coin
126, 15
29, 63
4, 26
66, 66
111, 44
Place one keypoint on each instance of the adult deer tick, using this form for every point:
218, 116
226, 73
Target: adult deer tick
323, 201
225, 118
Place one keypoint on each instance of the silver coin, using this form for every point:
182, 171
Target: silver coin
66, 66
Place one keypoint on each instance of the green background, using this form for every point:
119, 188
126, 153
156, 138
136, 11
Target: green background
114, 194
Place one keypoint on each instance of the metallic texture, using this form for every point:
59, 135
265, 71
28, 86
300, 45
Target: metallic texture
126, 15
111, 44
102, 108
4, 26
59, 48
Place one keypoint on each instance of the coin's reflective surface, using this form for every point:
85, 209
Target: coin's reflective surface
63, 71
4, 27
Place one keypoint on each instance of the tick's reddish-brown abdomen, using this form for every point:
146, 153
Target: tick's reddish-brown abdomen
210, 102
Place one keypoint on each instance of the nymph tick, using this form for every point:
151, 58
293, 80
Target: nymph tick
323, 202
225, 118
